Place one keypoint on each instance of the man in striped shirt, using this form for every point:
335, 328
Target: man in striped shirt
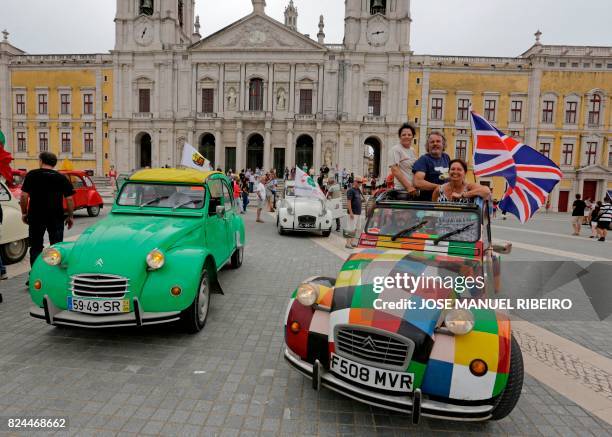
603, 221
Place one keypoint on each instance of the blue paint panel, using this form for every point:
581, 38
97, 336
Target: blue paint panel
437, 380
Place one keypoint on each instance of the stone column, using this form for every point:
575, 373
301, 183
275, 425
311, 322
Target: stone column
291, 99
219, 149
533, 102
424, 109
290, 147
317, 148
221, 91
269, 103
267, 146
240, 149
341, 141
356, 167
320, 91
242, 106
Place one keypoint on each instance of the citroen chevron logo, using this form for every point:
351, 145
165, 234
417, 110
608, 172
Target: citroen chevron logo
100, 262
368, 343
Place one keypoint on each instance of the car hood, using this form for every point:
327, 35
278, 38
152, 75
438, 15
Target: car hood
120, 243
357, 299
303, 204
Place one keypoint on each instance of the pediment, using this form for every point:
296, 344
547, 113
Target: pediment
594, 169
256, 32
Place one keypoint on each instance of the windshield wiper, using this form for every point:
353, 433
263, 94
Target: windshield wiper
451, 233
157, 199
186, 202
410, 229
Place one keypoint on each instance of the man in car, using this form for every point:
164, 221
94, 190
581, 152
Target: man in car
41, 204
431, 169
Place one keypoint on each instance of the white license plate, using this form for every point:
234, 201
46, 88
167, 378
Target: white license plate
372, 376
306, 225
92, 306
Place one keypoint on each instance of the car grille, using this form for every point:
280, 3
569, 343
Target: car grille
373, 346
96, 285
307, 221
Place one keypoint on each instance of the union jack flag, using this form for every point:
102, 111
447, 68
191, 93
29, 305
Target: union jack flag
531, 176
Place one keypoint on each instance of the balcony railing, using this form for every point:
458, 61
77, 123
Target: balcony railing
142, 115
305, 117
374, 118
206, 115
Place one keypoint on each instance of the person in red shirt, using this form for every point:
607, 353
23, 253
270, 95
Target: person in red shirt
237, 191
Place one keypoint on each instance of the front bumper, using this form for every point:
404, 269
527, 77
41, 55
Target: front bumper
428, 408
57, 316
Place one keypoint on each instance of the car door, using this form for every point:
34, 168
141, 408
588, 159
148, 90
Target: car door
80, 192
230, 211
216, 228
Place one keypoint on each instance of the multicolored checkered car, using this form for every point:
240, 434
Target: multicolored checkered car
399, 329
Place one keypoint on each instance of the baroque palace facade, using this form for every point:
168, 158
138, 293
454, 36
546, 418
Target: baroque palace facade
259, 93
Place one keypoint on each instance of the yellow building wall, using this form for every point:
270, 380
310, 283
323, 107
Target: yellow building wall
52, 80
107, 108
413, 110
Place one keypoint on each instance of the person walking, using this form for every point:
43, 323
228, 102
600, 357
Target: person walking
260, 190
578, 208
237, 195
594, 218
41, 204
354, 199
604, 219
244, 187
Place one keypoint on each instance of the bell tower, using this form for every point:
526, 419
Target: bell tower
142, 25
377, 25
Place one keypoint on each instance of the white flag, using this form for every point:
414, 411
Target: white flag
305, 186
194, 159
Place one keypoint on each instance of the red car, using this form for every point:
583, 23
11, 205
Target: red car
85, 193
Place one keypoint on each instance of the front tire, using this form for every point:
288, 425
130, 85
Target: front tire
93, 211
237, 257
512, 392
327, 233
14, 252
194, 317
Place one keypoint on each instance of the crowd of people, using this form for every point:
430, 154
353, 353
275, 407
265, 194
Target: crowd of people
597, 215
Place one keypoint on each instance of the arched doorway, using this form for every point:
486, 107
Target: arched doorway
255, 152
207, 147
371, 157
143, 150
304, 151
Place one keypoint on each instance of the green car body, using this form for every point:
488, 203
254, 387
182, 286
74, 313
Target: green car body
109, 261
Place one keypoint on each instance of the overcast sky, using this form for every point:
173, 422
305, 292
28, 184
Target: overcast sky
445, 27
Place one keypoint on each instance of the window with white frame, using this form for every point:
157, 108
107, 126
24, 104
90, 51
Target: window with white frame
516, 111
64, 103
88, 142
43, 104
463, 109
66, 142
88, 103
20, 106
22, 146
436, 108
208, 100
43, 141
490, 106
306, 101
591, 152
256, 95
545, 149
571, 109
548, 107
567, 154
594, 110
374, 102
461, 149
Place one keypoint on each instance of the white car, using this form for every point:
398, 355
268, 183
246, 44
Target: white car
304, 214
13, 232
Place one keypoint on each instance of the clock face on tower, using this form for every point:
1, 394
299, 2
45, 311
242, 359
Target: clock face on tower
143, 32
377, 32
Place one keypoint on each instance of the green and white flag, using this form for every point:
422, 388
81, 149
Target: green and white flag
305, 186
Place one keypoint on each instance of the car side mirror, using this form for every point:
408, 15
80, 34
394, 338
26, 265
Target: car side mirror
220, 210
502, 248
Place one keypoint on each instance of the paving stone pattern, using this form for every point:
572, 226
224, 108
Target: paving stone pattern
228, 380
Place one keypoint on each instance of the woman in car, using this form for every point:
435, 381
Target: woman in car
457, 189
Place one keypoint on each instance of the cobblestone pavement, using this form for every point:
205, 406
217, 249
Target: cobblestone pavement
228, 380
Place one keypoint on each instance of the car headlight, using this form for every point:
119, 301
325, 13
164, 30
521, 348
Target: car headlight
307, 294
156, 259
459, 321
289, 210
52, 256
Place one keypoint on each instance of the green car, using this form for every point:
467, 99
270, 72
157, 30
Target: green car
154, 259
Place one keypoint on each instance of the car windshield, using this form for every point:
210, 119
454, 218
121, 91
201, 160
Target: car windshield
424, 223
162, 196
290, 191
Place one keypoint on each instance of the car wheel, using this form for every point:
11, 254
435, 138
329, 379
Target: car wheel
195, 316
280, 229
327, 233
237, 256
93, 211
14, 252
512, 392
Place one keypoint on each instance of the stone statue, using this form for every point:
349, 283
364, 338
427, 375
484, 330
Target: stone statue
280, 99
327, 157
231, 99
146, 7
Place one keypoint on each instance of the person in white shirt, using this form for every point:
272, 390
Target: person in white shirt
260, 190
401, 158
